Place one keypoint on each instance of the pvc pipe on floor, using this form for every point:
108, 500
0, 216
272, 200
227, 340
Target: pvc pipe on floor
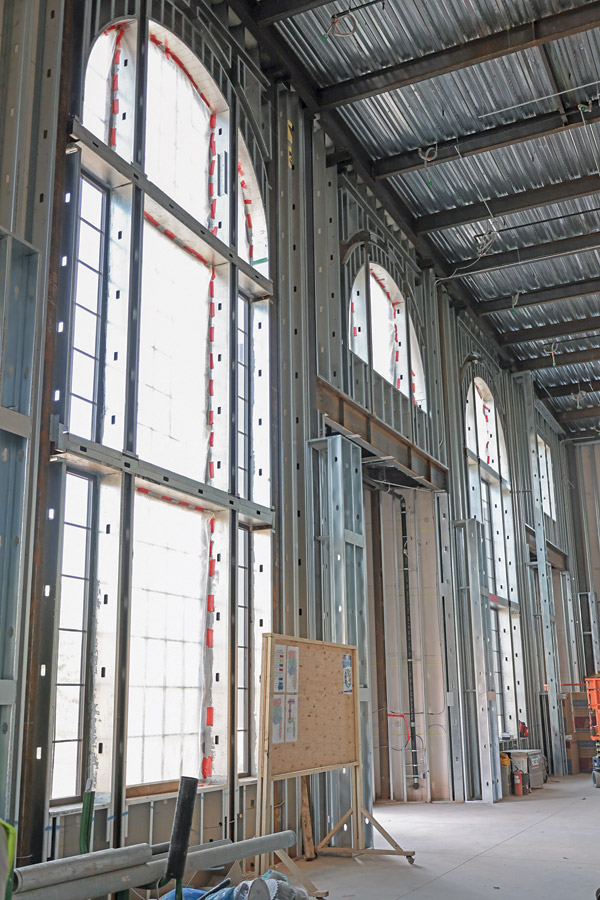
73, 868
217, 853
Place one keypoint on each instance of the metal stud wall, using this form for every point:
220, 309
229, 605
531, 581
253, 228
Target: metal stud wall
336, 428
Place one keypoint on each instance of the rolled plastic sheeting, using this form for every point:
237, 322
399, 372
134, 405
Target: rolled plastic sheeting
74, 868
216, 854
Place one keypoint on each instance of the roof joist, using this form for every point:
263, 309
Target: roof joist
486, 141
589, 386
523, 255
442, 62
575, 415
556, 329
269, 11
551, 361
543, 295
513, 203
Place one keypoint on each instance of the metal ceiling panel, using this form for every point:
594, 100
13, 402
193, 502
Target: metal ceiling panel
398, 30
450, 105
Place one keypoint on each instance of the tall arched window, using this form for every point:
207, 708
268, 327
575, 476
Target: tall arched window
491, 504
166, 386
395, 347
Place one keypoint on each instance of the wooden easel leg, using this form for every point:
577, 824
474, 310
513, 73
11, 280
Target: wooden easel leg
298, 874
322, 845
307, 830
409, 854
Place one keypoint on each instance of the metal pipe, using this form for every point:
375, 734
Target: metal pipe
218, 853
74, 868
182, 825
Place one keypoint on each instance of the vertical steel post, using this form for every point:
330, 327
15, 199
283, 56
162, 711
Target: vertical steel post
118, 799
381, 659
558, 761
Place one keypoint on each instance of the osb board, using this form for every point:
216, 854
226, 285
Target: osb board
326, 716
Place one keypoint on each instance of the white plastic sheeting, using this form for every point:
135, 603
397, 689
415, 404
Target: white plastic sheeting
172, 400
109, 93
253, 245
168, 640
391, 332
177, 131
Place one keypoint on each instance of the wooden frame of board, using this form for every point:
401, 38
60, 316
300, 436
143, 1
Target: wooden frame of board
314, 685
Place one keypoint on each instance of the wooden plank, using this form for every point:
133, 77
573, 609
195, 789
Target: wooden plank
323, 844
307, 829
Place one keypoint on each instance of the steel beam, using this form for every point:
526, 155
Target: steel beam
544, 295
557, 329
590, 436
552, 79
513, 203
573, 415
269, 11
560, 359
523, 255
565, 390
483, 141
502, 43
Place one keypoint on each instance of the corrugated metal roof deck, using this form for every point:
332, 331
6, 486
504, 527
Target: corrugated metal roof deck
472, 100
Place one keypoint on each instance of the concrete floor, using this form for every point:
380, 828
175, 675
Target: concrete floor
545, 846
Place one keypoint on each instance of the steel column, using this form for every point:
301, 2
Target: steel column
557, 743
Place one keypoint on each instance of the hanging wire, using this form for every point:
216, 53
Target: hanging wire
551, 349
348, 16
428, 156
334, 28
570, 90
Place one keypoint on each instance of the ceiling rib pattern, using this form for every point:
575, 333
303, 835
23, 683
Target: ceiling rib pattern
507, 108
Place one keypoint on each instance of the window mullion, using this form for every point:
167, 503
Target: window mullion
90, 635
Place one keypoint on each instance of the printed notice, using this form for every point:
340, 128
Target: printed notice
279, 669
347, 672
279, 725
293, 656
291, 718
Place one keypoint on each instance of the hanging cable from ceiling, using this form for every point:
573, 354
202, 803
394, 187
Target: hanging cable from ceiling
428, 155
343, 22
579, 396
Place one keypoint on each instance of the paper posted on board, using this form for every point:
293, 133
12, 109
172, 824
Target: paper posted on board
347, 672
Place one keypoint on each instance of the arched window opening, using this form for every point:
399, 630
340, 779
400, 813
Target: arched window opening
392, 331
419, 394
359, 339
152, 372
491, 505
109, 93
187, 133
252, 238
546, 478
481, 423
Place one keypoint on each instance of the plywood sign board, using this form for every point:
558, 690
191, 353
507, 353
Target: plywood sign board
310, 699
